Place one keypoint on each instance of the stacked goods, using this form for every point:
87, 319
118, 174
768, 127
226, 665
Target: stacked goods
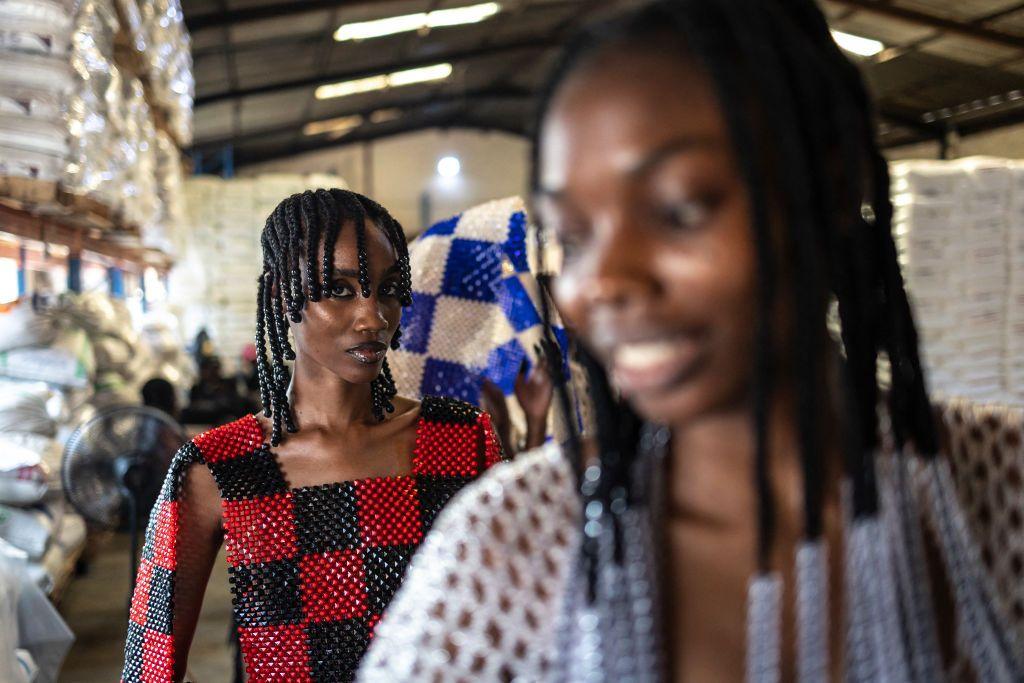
77, 118
41, 375
161, 337
35, 80
1014, 364
982, 244
94, 168
169, 62
926, 224
214, 283
960, 232
135, 135
170, 188
58, 367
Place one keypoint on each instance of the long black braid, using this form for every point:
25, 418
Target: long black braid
291, 240
802, 129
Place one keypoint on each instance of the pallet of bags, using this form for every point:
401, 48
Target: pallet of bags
982, 321
35, 80
1014, 340
926, 220
94, 165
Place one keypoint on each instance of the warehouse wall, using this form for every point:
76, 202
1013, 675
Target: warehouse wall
398, 171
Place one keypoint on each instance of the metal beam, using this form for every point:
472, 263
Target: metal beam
990, 35
287, 9
446, 122
453, 56
481, 94
259, 44
1011, 117
994, 16
283, 9
908, 119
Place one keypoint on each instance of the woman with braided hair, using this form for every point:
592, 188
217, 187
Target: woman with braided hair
756, 505
321, 501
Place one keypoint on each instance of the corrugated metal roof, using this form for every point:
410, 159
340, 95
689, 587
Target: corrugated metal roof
257, 63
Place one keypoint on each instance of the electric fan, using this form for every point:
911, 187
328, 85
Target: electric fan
114, 466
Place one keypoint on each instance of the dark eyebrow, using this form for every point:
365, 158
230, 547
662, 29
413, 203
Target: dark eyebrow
669, 149
348, 272
652, 160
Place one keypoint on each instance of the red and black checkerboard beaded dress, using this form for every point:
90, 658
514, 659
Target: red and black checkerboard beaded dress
313, 568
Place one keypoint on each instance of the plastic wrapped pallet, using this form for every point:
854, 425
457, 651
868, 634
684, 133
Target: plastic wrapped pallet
928, 212
1014, 351
35, 80
33, 637
169, 57
92, 169
955, 226
166, 235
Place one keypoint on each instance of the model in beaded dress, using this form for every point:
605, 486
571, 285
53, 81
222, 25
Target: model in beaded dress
321, 501
710, 172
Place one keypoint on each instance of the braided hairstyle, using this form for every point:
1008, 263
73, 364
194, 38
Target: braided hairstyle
293, 235
802, 129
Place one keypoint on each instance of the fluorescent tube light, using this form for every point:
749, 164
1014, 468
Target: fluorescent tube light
437, 72
858, 45
339, 125
424, 74
456, 16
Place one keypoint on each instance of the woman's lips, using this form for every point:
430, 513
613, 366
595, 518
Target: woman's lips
370, 353
643, 366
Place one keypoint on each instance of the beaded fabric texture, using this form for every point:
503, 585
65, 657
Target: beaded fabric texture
313, 568
500, 578
475, 305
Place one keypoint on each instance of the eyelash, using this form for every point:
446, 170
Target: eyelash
343, 290
684, 215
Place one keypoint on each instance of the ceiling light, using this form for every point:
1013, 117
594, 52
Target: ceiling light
339, 125
858, 45
344, 88
437, 72
448, 167
424, 74
418, 21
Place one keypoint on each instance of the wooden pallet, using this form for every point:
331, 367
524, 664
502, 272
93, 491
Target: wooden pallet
28, 191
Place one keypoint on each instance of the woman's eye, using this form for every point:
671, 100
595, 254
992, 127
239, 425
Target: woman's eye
341, 289
683, 215
389, 289
569, 245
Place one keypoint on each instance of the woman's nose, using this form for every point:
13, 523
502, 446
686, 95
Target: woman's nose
370, 316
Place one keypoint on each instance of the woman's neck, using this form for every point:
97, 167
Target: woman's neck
321, 399
711, 472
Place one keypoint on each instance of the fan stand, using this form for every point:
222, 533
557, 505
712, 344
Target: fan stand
131, 473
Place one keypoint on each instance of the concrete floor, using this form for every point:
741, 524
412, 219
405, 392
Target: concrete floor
95, 608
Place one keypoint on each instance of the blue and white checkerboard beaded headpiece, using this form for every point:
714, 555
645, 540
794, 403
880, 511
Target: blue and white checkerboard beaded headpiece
475, 305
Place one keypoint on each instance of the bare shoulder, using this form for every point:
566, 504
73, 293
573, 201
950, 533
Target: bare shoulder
405, 406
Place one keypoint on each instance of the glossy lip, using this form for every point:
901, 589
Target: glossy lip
684, 361
368, 353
